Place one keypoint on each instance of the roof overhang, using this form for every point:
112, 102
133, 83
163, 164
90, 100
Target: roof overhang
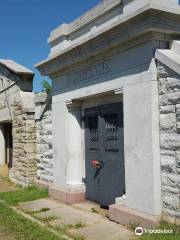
147, 8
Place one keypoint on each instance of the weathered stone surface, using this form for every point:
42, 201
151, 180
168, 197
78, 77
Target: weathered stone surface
170, 141
168, 163
24, 147
171, 201
169, 101
168, 121
167, 109
44, 138
173, 83
16, 95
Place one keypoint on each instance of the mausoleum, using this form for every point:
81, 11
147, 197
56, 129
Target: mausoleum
116, 109
17, 124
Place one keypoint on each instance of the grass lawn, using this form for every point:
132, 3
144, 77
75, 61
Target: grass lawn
23, 194
23, 228
16, 224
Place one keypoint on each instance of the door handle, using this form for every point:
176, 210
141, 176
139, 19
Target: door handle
97, 164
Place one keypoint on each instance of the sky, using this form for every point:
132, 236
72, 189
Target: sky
26, 24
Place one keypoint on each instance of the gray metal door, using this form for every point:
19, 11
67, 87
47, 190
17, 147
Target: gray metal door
105, 174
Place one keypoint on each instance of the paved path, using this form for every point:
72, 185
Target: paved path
96, 226
6, 186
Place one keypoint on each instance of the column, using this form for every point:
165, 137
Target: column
2, 145
74, 160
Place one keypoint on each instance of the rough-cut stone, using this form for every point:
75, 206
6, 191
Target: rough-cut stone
17, 109
167, 109
171, 201
168, 163
169, 105
44, 137
24, 147
170, 141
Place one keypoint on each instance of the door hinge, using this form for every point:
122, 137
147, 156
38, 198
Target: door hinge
84, 180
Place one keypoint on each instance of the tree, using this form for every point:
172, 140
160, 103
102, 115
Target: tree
46, 86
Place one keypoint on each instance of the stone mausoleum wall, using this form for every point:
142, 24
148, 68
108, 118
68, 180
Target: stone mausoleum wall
169, 103
43, 117
24, 146
17, 110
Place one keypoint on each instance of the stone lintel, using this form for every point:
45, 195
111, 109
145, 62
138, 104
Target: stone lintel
118, 91
74, 104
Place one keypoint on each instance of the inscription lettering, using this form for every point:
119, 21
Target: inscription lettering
90, 72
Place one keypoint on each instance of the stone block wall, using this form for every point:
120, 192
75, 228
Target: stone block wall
43, 117
17, 109
23, 169
169, 104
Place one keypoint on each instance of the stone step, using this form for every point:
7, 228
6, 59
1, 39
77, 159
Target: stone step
175, 47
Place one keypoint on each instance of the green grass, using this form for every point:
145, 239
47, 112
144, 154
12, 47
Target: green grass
45, 219
163, 225
66, 230
23, 228
23, 195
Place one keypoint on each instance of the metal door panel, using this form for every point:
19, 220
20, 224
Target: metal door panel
92, 153
108, 182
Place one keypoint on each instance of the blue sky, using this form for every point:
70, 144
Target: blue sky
25, 26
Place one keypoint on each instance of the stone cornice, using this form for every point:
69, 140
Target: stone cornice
66, 29
149, 21
128, 17
107, 5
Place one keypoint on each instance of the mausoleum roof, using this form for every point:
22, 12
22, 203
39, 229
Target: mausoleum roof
100, 22
16, 67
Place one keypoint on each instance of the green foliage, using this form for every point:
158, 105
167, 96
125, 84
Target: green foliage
23, 195
94, 210
46, 86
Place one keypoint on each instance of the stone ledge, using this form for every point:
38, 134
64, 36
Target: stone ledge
43, 184
66, 196
126, 216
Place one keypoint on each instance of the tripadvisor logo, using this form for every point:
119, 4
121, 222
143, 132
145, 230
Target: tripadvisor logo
139, 231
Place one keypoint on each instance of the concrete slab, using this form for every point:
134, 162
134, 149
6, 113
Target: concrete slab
87, 205
37, 205
69, 215
96, 226
104, 230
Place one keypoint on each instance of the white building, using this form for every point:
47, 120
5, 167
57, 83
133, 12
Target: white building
115, 109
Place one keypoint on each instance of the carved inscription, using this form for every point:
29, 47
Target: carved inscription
90, 72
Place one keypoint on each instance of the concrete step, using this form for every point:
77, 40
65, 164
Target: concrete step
175, 47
